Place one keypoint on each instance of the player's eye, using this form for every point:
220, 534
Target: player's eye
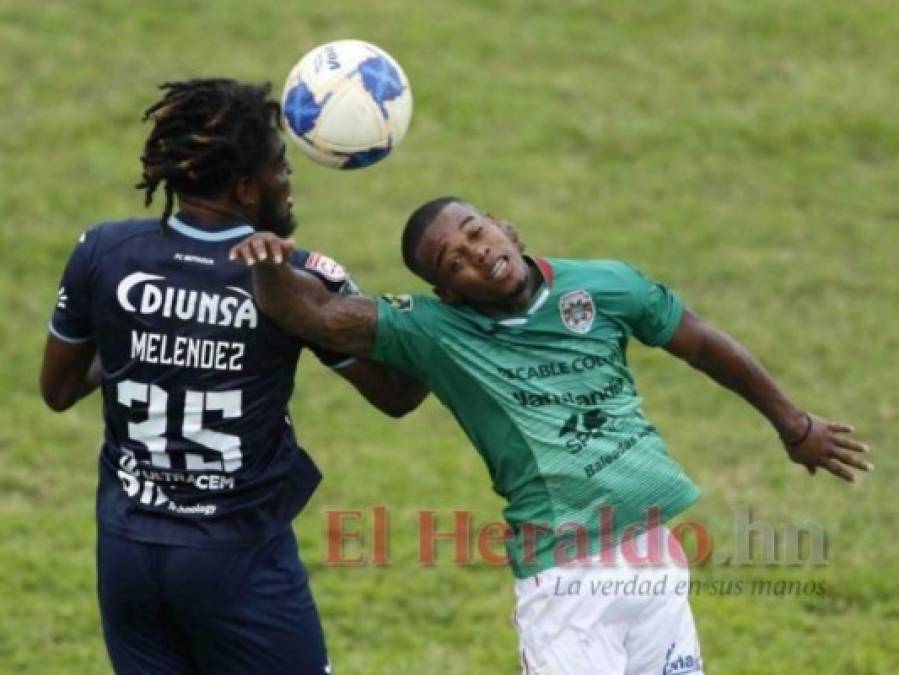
455, 264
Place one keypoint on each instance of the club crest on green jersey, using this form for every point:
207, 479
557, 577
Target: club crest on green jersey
577, 311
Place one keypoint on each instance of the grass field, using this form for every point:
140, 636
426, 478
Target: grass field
747, 153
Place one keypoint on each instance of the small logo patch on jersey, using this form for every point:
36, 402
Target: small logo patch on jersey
681, 664
577, 311
61, 297
401, 302
325, 266
187, 257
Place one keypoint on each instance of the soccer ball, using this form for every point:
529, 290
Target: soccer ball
347, 104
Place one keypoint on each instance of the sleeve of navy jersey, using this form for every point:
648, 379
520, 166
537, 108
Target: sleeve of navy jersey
71, 320
337, 280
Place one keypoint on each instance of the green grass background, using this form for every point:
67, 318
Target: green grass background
744, 152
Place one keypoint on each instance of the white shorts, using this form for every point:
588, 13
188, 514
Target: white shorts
599, 619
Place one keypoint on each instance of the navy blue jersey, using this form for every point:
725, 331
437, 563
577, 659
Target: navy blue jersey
198, 447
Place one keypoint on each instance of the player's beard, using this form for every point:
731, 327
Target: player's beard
530, 280
275, 216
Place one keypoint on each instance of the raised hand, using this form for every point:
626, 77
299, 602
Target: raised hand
263, 247
828, 445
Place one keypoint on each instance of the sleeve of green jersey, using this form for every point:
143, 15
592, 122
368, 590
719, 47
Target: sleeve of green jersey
402, 338
652, 310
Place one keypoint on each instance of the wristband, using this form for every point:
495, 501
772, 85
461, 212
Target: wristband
801, 439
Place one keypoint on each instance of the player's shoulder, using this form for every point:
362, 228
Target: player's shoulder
97, 244
615, 285
425, 311
598, 274
413, 302
107, 235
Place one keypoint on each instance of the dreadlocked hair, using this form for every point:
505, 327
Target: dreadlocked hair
206, 133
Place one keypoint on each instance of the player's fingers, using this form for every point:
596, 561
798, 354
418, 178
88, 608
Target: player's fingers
278, 250
853, 460
840, 427
270, 248
285, 248
838, 470
259, 249
242, 251
245, 253
851, 444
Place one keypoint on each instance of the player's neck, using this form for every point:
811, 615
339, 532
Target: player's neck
210, 212
520, 300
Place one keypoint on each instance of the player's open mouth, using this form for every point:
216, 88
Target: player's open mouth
500, 267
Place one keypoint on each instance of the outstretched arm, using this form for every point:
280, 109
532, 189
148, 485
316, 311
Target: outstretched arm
391, 391
809, 440
300, 304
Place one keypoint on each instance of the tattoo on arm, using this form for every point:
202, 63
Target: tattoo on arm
301, 305
349, 325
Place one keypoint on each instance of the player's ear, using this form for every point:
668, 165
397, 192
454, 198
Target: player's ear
449, 296
509, 230
246, 191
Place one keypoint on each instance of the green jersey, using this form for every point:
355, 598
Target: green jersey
549, 402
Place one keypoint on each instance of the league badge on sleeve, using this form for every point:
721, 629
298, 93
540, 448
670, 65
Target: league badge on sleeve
401, 302
577, 311
327, 267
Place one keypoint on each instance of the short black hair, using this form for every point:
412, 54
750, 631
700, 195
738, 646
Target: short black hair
206, 133
416, 227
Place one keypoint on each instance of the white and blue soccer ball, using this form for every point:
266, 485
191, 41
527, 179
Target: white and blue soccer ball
347, 104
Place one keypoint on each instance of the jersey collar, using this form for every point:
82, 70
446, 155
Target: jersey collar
546, 270
200, 233
540, 296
